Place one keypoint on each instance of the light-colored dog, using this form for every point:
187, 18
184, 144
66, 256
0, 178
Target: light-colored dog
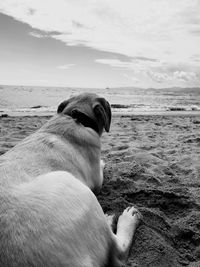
49, 215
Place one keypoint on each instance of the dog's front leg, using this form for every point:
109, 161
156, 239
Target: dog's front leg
126, 227
102, 165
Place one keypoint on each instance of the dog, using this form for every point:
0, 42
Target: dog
49, 214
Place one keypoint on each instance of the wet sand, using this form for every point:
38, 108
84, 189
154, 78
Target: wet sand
152, 162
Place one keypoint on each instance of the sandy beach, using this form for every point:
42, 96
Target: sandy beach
153, 163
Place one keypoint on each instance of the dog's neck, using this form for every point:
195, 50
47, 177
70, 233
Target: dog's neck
60, 125
85, 121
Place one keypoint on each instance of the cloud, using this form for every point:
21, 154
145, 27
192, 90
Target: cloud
155, 70
181, 76
43, 34
65, 67
115, 63
31, 11
159, 77
136, 64
195, 31
132, 78
159, 39
145, 59
37, 35
185, 76
143, 29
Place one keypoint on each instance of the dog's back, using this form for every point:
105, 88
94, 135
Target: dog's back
47, 222
48, 213
61, 144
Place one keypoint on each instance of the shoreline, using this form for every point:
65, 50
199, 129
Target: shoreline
114, 113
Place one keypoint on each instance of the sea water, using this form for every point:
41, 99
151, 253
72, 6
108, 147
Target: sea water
30, 100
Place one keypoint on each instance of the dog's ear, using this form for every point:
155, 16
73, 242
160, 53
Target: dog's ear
102, 111
62, 106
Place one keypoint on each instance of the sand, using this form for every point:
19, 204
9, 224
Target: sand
152, 162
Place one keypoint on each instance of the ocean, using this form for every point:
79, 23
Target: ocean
31, 100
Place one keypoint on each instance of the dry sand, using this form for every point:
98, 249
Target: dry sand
153, 163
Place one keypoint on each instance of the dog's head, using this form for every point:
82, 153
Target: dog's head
88, 109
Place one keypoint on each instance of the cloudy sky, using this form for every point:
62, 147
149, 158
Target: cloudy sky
100, 43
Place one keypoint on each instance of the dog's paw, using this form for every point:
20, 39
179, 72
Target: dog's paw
129, 219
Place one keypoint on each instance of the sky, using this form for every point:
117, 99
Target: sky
100, 43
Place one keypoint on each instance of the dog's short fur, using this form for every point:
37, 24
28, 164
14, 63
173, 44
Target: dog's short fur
49, 215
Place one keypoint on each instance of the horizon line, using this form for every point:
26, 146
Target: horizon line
106, 87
